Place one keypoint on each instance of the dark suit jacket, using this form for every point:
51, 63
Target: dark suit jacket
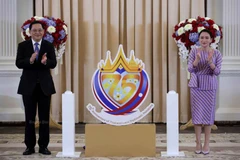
36, 72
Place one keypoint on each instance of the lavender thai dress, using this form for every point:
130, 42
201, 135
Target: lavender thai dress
203, 85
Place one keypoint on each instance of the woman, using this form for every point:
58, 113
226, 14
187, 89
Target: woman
204, 64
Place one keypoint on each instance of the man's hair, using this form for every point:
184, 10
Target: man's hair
35, 22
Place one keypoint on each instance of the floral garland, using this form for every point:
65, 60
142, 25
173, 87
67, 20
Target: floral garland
56, 32
186, 34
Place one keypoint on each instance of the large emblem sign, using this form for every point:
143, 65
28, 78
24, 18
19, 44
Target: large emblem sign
120, 87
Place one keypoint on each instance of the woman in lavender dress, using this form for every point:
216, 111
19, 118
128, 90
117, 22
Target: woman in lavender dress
204, 64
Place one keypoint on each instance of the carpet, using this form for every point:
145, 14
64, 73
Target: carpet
223, 147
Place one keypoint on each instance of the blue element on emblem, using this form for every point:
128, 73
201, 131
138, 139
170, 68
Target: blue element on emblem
120, 70
111, 106
120, 87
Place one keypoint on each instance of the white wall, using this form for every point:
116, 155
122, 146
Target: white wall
12, 15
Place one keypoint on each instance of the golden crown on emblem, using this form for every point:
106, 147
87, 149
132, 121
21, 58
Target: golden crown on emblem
130, 65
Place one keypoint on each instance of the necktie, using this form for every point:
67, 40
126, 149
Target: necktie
36, 49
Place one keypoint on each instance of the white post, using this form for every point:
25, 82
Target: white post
68, 126
172, 126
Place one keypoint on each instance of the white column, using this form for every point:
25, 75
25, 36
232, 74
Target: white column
226, 13
228, 104
12, 15
8, 27
8, 34
68, 126
172, 126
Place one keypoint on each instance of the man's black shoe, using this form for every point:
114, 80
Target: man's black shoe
29, 151
44, 151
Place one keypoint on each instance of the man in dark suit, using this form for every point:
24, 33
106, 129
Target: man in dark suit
36, 57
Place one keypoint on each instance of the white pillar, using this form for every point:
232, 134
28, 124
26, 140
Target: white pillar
68, 126
8, 27
172, 126
226, 15
12, 15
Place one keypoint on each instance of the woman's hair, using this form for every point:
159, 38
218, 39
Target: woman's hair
207, 31
35, 22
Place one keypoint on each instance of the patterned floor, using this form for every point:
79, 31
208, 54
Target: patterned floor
223, 147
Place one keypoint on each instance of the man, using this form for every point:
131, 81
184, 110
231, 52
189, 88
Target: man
36, 57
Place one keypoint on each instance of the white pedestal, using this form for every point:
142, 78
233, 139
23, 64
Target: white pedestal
75, 155
179, 154
11, 109
228, 108
172, 126
68, 126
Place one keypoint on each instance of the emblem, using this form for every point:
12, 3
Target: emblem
120, 87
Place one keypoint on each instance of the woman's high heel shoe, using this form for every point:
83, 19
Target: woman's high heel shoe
206, 152
199, 151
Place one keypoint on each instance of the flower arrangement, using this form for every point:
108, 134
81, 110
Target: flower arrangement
56, 32
186, 34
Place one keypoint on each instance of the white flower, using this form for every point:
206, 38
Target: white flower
51, 29
200, 29
214, 45
215, 26
217, 39
65, 28
191, 19
181, 23
27, 32
117, 96
38, 18
180, 31
207, 18
22, 36
188, 27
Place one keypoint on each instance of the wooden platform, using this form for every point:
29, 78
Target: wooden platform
134, 140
